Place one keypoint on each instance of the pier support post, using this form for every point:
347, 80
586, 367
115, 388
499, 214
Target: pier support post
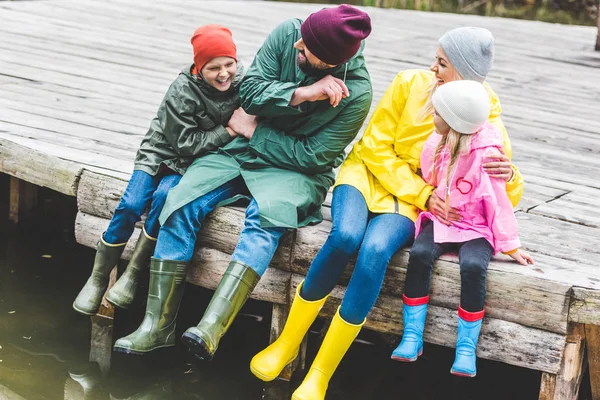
23, 198
102, 331
565, 384
592, 338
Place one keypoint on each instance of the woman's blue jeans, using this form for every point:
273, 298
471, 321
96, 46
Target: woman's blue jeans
143, 191
376, 237
256, 245
474, 258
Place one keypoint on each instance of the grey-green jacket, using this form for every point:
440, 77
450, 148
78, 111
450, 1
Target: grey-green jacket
190, 122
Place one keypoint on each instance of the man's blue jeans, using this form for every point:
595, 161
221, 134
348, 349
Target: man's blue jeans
143, 191
376, 237
256, 245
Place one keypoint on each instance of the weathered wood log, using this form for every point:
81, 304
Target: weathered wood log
514, 293
584, 307
208, 265
536, 297
99, 195
500, 340
598, 37
38, 168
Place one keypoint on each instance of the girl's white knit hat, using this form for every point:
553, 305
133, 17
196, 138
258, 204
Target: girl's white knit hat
464, 105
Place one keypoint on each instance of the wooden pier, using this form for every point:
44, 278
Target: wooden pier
80, 81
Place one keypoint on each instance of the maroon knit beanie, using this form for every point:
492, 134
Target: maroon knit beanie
334, 34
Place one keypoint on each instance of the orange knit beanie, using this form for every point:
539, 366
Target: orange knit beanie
211, 41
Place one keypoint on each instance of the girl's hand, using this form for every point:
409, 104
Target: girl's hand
521, 257
437, 207
498, 166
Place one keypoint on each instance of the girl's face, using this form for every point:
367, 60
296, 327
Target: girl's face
441, 126
444, 71
219, 72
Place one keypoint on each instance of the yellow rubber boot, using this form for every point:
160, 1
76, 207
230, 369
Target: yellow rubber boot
339, 337
268, 364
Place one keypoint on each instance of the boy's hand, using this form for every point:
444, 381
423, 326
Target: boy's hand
521, 257
327, 87
243, 123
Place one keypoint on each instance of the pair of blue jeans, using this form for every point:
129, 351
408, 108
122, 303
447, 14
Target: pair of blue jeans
474, 258
256, 245
143, 191
376, 238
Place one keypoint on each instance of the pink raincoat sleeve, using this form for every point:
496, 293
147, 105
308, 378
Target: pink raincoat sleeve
500, 216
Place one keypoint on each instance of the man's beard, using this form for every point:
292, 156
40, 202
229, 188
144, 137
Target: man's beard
306, 67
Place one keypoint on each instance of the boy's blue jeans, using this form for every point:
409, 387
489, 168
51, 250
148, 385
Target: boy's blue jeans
143, 191
256, 245
376, 237
474, 258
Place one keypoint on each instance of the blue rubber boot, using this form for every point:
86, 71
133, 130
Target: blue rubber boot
469, 325
414, 313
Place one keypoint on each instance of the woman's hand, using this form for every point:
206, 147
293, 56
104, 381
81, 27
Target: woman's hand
437, 207
521, 257
242, 123
498, 166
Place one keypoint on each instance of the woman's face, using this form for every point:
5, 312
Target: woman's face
441, 126
444, 71
219, 72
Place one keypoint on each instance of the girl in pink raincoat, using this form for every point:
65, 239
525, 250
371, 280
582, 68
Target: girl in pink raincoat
452, 160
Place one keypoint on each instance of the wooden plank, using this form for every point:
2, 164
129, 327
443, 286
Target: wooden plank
592, 338
23, 199
500, 340
38, 168
598, 36
208, 264
568, 379
578, 208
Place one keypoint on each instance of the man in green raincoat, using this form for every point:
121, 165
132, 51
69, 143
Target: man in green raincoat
305, 97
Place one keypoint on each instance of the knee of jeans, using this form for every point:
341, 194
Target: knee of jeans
471, 267
346, 240
420, 254
160, 196
132, 204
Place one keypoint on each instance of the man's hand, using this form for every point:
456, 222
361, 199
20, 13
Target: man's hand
498, 166
437, 207
328, 87
521, 257
243, 123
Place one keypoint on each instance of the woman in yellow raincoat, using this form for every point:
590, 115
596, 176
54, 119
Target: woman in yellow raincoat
377, 197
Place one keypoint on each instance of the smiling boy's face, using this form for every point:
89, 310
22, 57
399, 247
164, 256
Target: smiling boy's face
219, 72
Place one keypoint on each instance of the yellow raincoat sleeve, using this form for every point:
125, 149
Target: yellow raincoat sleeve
377, 149
514, 187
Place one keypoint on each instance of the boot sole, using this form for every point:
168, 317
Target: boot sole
401, 359
88, 313
141, 353
195, 345
267, 378
463, 374
117, 304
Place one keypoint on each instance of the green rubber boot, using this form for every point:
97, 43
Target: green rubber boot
236, 285
89, 298
165, 290
123, 292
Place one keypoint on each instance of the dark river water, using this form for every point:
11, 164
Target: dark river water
45, 345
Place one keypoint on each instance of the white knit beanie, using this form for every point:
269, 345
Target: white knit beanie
470, 50
464, 105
